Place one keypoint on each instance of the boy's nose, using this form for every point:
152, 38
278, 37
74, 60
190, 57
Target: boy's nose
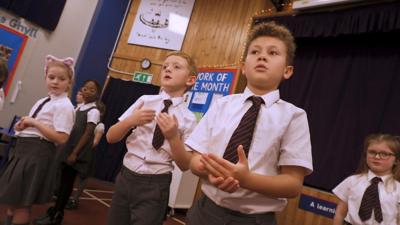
262, 57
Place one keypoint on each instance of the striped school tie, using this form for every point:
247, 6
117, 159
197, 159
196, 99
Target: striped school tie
243, 134
40, 107
158, 137
370, 201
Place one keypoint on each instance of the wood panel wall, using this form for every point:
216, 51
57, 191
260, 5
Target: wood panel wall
293, 215
216, 35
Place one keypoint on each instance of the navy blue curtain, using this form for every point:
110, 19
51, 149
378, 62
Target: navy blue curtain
117, 97
347, 79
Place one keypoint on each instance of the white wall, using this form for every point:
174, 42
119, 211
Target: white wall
65, 40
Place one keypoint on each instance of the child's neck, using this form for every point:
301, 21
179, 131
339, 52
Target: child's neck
174, 94
259, 92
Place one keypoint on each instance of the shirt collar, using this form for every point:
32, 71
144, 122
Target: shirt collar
270, 98
175, 100
371, 175
54, 97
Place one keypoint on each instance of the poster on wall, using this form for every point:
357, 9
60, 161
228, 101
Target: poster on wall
161, 23
12, 44
210, 85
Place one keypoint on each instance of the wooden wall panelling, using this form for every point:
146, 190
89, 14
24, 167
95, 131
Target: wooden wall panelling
293, 215
215, 36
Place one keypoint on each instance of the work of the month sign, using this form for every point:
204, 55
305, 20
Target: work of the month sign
210, 85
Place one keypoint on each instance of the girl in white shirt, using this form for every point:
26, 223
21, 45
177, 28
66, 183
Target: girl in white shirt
27, 178
378, 162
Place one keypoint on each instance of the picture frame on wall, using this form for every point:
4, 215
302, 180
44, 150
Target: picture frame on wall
161, 24
12, 44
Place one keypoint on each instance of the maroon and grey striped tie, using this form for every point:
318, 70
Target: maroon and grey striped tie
158, 137
243, 134
370, 202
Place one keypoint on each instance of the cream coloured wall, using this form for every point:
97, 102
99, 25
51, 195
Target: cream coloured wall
65, 40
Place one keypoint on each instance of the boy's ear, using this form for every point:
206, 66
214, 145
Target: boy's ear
288, 72
243, 68
191, 80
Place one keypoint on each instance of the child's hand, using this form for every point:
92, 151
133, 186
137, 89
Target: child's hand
168, 125
141, 116
220, 167
19, 126
71, 159
228, 184
29, 121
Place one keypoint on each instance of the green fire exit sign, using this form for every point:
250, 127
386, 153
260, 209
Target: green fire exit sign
142, 77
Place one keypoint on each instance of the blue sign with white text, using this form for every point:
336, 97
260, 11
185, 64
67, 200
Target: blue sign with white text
317, 206
210, 85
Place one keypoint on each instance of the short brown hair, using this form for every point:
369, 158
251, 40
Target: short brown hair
393, 142
272, 29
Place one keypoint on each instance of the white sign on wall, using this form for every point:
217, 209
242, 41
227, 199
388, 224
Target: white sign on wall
161, 23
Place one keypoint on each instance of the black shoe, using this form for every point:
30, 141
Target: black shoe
72, 204
52, 217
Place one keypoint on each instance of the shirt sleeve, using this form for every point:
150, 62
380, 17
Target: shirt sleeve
342, 190
129, 111
63, 119
199, 138
296, 143
93, 116
99, 128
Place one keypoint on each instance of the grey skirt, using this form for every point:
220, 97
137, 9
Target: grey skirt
28, 178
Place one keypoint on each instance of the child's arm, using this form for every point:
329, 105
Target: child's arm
340, 214
51, 134
81, 143
97, 137
287, 184
169, 126
138, 117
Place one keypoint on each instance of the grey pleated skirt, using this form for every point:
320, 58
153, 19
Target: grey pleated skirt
28, 178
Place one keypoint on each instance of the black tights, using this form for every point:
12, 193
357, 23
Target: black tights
68, 175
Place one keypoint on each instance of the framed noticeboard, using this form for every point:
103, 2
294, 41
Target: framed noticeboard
161, 23
210, 85
12, 44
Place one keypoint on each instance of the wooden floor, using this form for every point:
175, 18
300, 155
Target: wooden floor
93, 207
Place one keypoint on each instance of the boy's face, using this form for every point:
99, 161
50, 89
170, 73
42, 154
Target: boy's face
175, 76
265, 65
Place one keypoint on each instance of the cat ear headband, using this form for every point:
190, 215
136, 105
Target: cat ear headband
69, 61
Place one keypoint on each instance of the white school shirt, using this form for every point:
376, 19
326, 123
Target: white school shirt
352, 189
58, 114
141, 156
93, 116
99, 128
281, 138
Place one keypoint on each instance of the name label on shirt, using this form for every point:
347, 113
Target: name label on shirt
317, 206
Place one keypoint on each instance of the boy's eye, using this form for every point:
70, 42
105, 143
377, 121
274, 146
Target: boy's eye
254, 52
273, 53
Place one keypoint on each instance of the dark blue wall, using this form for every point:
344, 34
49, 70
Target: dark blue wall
99, 42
